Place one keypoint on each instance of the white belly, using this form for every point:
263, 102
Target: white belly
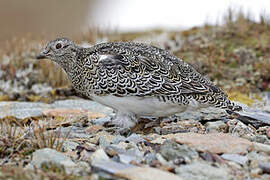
141, 106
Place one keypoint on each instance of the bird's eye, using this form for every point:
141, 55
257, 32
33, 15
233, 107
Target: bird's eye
58, 46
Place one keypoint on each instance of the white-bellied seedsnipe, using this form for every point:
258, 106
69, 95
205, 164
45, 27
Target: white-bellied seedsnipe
135, 79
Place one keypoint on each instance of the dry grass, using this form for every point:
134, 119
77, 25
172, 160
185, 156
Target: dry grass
13, 172
21, 141
42, 137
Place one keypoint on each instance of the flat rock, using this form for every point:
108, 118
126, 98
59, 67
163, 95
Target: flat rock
99, 155
48, 155
236, 158
213, 142
171, 150
146, 173
202, 171
110, 166
23, 110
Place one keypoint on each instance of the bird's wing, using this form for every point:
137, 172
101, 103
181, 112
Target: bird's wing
142, 70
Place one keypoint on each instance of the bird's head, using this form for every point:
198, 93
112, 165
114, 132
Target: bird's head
59, 50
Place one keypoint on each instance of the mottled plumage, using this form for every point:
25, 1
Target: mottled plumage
135, 79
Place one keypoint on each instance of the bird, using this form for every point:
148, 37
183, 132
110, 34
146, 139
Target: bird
135, 79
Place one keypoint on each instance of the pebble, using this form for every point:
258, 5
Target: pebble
146, 173
110, 166
202, 171
214, 126
126, 159
98, 155
171, 150
103, 142
69, 145
265, 167
47, 155
236, 158
113, 150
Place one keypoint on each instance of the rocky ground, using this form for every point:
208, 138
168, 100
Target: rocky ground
46, 132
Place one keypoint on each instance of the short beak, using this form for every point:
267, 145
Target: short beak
42, 55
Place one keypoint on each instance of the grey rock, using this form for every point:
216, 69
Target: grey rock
99, 155
265, 167
118, 139
149, 158
135, 138
162, 160
260, 138
171, 150
202, 171
113, 150
236, 158
83, 168
135, 152
110, 166
103, 142
69, 145
47, 155
203, 115
23, 110
126, 159
102, 121
214, 126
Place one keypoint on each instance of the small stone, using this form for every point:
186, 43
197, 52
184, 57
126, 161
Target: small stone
171, 150
202, 171
135, 138
94, 129
146, 173
117, 139
255, 172
110, 166
214, 126
241, 130
103, 142
260, 138
114, 150
268, 132
162, 160
236, 158
101, 121
265, 167
149, 158
47, 155
104, 134
126, 159
99, 155
262, 148
69, 145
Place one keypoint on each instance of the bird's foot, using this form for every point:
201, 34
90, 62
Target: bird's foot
122, 124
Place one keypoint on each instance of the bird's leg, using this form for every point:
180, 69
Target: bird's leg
123, 122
